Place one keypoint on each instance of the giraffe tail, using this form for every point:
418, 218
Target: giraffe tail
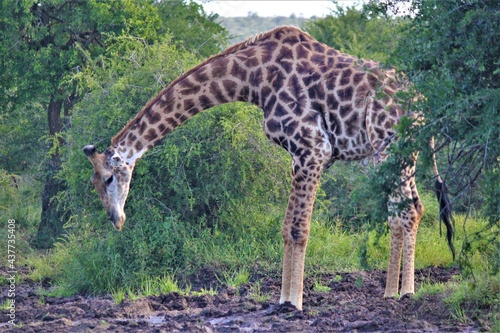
445, 215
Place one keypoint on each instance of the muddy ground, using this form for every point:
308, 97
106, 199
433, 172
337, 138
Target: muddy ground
354, 303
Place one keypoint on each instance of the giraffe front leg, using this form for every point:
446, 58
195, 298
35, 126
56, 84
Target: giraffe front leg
286, 233
297, 282
295, 234
287, 266
293, 274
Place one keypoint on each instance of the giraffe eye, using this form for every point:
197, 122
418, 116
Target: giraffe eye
109, 181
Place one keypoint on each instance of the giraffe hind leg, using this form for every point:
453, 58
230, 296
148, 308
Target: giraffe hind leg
392, 283
403, 226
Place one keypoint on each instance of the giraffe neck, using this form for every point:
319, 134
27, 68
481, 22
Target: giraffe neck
219, 80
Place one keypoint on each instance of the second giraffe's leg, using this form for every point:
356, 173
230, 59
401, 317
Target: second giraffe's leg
296, 232
403, 226
410, 226
392, 283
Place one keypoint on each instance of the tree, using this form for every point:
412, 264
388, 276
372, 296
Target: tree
43, 45
191, 27
354, 32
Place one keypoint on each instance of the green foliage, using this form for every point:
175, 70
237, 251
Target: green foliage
43, 45
118, 295
241, 28
329, 246
354, 32
21, 145
115, 261
19, 201
210, 291
338, 196
257, 294
8, 184
192, 28
427, 288
215, 162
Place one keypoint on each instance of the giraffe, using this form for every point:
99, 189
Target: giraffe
319, 104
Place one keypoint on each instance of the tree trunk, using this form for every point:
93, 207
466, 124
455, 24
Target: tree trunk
52, 217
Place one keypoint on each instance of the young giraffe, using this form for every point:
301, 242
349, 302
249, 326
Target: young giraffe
319, 104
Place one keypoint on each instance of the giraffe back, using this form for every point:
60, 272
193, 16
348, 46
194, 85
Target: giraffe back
309, 90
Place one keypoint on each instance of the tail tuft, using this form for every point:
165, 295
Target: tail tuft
445, 215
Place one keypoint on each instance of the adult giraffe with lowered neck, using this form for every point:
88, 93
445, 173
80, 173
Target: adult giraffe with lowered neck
319, 104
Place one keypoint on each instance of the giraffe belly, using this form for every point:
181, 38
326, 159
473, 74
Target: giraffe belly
352, 148
301, 136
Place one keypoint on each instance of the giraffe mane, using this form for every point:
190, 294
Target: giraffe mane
231, 49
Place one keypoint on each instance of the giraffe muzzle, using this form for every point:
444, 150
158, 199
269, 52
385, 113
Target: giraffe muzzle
117, 219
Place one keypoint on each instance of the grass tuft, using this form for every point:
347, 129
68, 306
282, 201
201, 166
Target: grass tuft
319, 287
235, 279
428, 288
204, 292
257, 294
168, 284
118, 295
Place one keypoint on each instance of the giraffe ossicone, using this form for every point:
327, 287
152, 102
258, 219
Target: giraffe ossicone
319, 104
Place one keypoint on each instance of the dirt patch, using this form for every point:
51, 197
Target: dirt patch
353, 303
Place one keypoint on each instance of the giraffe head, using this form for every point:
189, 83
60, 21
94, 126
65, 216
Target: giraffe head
111, 179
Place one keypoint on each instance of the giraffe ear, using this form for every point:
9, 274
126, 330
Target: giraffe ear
89, 150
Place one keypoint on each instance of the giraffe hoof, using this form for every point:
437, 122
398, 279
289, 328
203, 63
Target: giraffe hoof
285, 307
406, 296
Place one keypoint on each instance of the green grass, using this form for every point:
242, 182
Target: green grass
95, 265
118, 295
150, 286
257, 294
235, 279
430, 250
259, 240
319, 287
5, 305
428, 288
331, 249
475, 293
168, 284
21, 204
203, 292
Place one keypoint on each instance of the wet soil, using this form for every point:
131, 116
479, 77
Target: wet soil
353, 303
